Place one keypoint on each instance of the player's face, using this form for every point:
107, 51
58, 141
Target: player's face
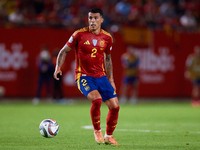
94, 20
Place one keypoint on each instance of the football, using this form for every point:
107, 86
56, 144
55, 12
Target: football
49, 128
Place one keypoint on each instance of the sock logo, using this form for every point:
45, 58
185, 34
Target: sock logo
97, 122
115, 121
96, 117
113, 126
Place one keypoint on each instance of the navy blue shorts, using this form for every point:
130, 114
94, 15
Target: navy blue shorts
130, 80
86, 84
196, 82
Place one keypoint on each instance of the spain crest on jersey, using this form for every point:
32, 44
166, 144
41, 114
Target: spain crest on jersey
102, 42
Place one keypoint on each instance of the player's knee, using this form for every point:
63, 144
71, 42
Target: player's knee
113, 106
92, 98
97, 102
117, 108
93, 95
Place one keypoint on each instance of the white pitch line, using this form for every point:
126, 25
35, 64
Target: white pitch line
140, 130
132, 130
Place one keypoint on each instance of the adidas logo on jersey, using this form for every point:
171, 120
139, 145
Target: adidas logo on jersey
87, 42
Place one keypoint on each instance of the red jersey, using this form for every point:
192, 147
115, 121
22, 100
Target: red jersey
90, 49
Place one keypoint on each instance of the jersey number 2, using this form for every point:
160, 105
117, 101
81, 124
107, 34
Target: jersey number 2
84, 82
94, 51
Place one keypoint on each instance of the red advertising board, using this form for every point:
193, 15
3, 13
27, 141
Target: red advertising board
162, 63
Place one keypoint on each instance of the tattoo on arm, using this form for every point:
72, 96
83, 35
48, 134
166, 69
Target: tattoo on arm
109, 67
61, 56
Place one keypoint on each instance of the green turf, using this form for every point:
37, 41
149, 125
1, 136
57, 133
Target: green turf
148, 126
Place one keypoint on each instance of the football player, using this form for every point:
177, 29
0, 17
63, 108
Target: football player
130, 63
193, 73
94, 76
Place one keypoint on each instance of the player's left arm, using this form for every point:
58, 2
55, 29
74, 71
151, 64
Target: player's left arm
109, 70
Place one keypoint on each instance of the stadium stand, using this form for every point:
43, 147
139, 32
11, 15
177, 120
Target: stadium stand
153, 14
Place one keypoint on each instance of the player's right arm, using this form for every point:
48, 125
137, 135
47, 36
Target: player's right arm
60, 60
63, 52
188, 66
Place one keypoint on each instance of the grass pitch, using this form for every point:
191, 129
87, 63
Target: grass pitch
145, 126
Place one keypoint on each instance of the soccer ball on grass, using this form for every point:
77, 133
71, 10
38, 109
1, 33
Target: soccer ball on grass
49, 128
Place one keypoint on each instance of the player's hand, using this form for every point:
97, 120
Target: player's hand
56, 72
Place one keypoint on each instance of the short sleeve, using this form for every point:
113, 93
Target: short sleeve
73, 40
109, 46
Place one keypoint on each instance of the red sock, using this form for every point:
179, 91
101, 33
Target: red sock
195, 99
95, 113
112, 120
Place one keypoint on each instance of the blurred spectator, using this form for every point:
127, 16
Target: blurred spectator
138, 13
16, 17
188, 21
9, 5
167, 9
3, 15
54, 19
46, 69
42, 18
29, 16
193, 73
39, 6
123, 7
58, 95
150, 13
66, 16
130, 63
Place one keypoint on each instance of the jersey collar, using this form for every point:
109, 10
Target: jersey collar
92, 33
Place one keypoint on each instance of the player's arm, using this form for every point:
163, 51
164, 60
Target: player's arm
109, 69
60, 60
188, 67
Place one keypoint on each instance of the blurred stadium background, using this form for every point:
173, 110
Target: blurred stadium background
164, 32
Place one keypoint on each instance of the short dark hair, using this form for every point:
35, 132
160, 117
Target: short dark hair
96, 10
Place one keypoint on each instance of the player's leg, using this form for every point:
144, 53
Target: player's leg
111, 120
40, 84
36, 100
89, 89
198, 101
95, 113
109, 97
134, 89
123, 91
48, 86
195, 94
